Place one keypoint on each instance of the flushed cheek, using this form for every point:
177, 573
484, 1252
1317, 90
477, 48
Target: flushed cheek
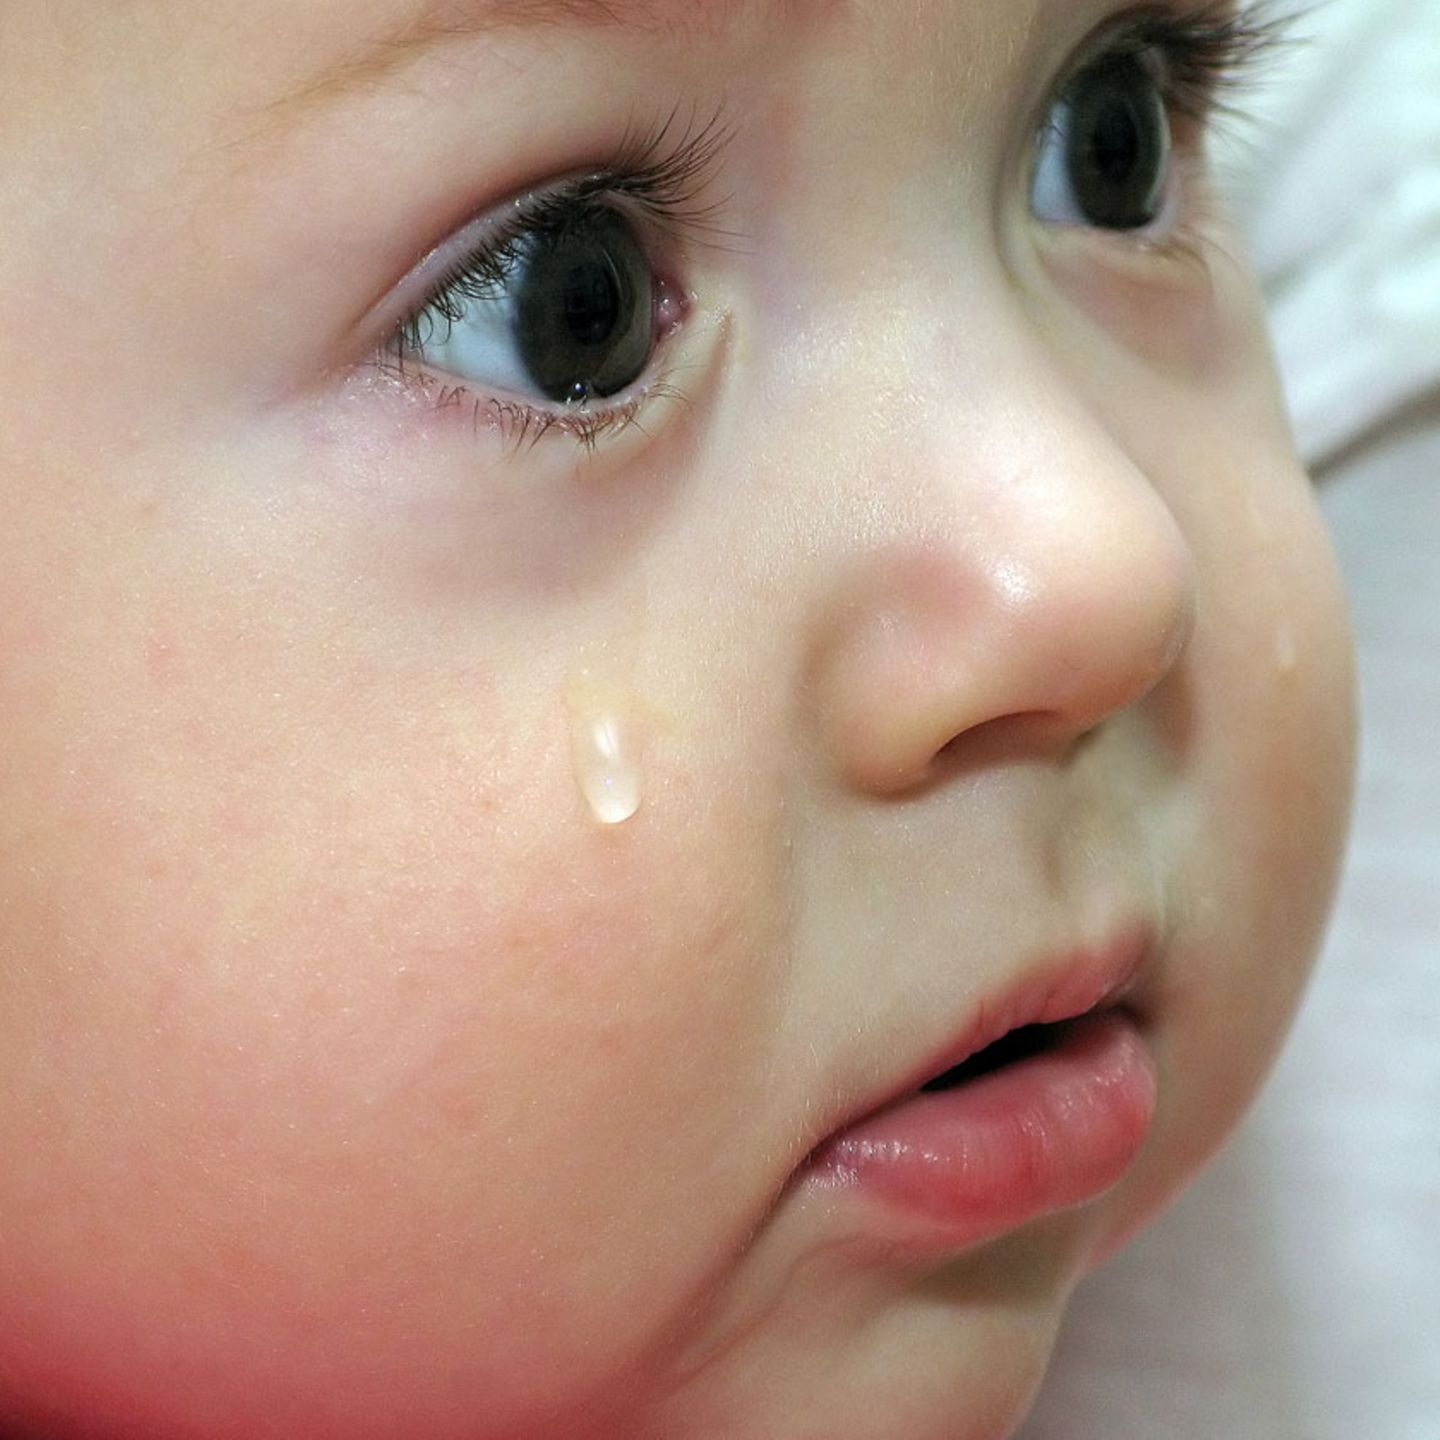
401, 1034
536, 1073
456, 1150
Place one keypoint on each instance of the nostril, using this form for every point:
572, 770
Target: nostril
1007, 737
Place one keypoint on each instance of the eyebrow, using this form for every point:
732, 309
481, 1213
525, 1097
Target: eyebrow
435, 23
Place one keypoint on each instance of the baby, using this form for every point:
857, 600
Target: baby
675, 722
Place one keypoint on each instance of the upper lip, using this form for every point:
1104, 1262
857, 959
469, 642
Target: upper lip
1055, 989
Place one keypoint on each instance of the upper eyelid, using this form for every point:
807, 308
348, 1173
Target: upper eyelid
1217, 42
665, 178
490, 229
1216, 47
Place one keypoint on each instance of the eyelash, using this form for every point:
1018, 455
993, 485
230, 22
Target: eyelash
1209, 54
1212, 53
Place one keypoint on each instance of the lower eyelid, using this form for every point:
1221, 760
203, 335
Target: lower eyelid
472, 415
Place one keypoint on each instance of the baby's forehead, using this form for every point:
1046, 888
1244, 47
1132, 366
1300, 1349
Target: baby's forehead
380, 37
382, 33
284, 56
393, 27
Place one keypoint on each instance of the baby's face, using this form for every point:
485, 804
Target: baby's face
592, 595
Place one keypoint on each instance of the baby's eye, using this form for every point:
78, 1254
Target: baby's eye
1105, 152
562, 308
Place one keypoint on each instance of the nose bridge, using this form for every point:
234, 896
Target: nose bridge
1016, 566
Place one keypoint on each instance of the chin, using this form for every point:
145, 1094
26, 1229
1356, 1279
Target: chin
945, 1351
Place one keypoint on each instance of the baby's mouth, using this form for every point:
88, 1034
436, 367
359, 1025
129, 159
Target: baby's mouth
1010, 1049
1050, 1116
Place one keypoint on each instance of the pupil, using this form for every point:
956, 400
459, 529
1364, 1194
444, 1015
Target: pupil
583, 316
592, 303
1119, 144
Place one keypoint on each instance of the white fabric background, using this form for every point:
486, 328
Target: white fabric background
1338, 179
1294, 1292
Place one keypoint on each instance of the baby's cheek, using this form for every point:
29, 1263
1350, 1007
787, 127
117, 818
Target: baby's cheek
379, 1047
523, 1081
1268, 691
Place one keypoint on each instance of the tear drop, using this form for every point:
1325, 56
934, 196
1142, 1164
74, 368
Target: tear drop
605, 749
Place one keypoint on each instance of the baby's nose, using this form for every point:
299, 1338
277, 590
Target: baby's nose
1030, 607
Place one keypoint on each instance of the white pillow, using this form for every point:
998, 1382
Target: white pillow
1338, 188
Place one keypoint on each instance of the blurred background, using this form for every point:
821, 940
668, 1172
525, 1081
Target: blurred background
1294, 1292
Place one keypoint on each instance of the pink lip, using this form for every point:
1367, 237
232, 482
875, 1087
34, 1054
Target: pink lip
1036, 1136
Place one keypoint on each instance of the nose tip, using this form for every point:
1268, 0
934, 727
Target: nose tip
1030, 630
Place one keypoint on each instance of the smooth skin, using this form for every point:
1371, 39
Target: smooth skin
355, 1084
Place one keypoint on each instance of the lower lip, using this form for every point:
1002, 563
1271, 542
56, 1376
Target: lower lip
1035, 1137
